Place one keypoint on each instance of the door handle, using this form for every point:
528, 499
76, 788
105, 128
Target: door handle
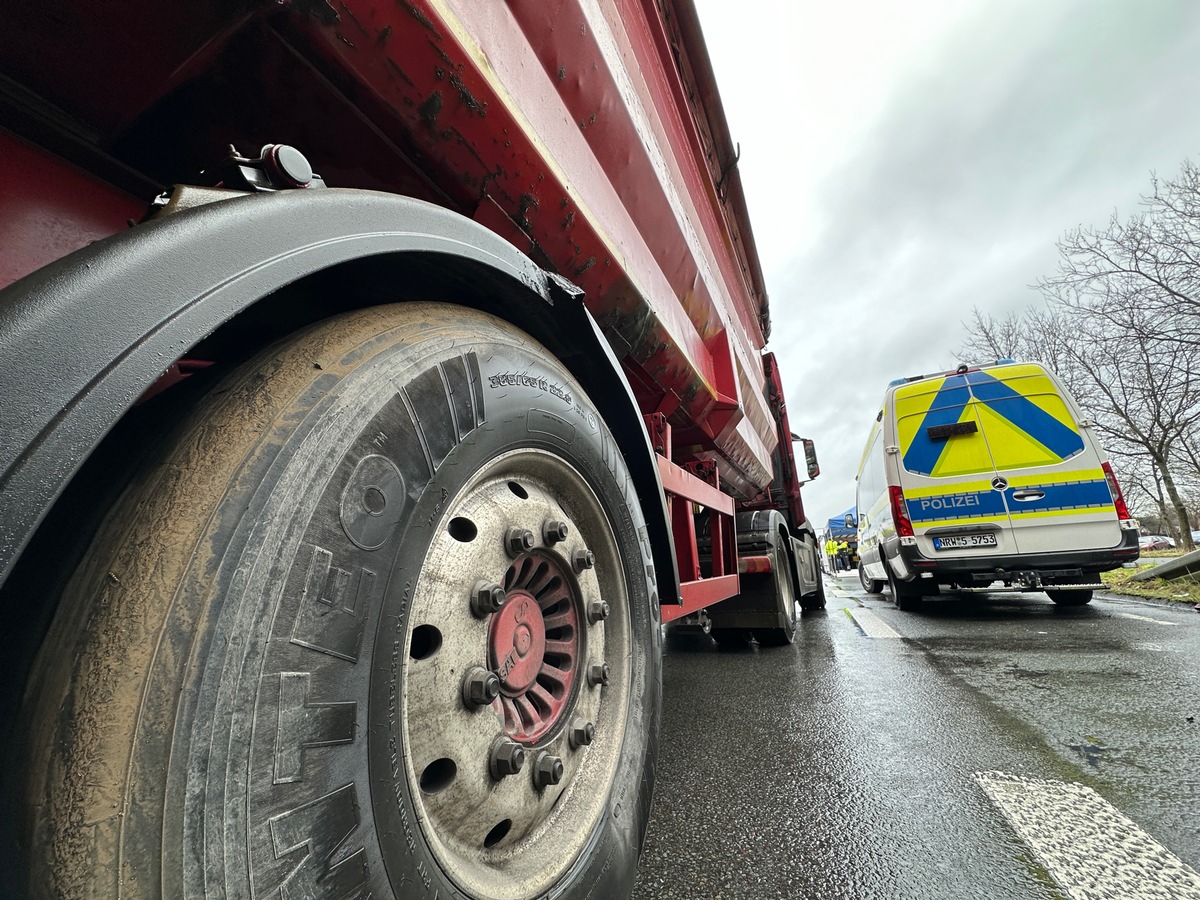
1028, 495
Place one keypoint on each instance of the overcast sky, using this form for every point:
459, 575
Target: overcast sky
906, 160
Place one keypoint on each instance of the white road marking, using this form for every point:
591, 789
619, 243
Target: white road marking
1087, 846
871, 624
838, 592
1143, 618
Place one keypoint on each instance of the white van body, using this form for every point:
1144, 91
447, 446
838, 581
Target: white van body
986, 475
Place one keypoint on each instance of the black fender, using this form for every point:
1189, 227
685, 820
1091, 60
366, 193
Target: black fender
758, 532
762, 529
805, 543
84, 337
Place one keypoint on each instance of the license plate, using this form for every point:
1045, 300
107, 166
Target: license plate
964, 541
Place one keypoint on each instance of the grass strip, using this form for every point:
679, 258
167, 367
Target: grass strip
1179, 590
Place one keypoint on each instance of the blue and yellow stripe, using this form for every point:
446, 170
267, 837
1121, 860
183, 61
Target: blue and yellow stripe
1070, 493
1025, 421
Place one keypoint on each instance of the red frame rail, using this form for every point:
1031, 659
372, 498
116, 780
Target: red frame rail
696, 483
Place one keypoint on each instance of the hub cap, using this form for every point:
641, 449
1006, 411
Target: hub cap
533, 645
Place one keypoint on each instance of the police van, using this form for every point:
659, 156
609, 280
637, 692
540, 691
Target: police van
986, 479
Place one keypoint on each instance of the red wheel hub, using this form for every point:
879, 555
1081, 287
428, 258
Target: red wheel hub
533, 645
517, 643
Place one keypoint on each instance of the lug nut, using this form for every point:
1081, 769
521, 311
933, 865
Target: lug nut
598, 610
583, 559
597, 673
582, 733
547, 770
518, 541
479, 687
486, 599
554, 531
507, 758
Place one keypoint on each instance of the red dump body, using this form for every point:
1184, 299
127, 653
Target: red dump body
385, 621
587, 132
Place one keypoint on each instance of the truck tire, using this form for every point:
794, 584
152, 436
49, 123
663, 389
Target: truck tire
816, 600
781, 589
731, 638
269, 675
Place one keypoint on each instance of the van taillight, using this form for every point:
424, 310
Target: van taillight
1115, 490
900, 512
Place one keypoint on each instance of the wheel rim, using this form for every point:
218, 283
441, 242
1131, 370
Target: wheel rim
496, 832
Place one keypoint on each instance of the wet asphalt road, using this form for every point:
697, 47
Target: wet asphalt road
846, 765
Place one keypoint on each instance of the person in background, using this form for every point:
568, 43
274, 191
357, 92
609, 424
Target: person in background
830, 555
843, 556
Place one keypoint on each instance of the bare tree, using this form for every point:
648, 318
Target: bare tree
992, 338
1144, 397
1149, 263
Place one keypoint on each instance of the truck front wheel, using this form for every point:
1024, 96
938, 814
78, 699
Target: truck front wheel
377, 622
780, 591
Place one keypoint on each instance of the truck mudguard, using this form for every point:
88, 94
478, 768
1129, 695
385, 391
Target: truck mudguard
122, 310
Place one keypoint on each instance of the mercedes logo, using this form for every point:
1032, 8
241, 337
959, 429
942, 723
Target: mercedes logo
999, 483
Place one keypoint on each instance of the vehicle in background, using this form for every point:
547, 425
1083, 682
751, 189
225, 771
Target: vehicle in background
987, 475
841, 528
339, 512
1149, 542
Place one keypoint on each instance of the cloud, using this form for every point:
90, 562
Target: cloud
1021, 121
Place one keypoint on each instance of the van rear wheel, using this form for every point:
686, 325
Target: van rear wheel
1070, 598
906, 596
869, 584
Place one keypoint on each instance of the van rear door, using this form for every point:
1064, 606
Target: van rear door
947, 471
1057, 496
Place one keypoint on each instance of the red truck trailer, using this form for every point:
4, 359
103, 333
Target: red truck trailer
378, 379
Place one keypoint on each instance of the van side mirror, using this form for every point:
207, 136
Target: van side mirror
810, 458
850, 521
